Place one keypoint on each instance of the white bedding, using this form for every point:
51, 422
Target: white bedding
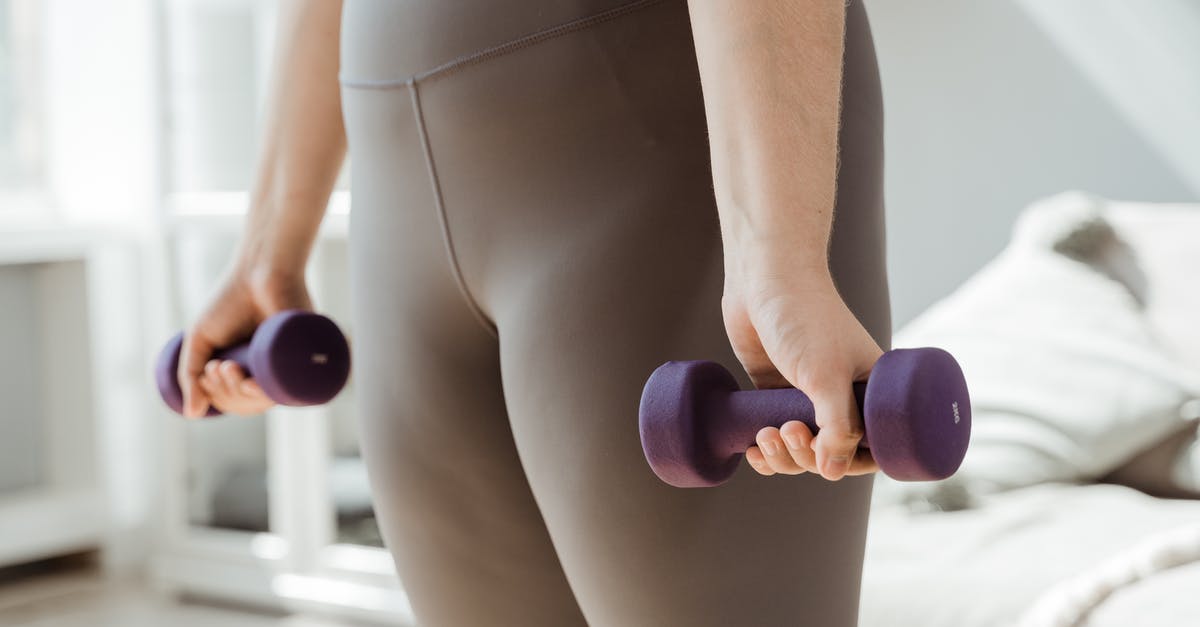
1169, 598
995, 563
1069, 376
1083, 351
1155, 558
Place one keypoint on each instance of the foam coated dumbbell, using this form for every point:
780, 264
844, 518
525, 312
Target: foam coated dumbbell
297, 357
696, 423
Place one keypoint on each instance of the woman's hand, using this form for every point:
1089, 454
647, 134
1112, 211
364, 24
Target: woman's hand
302, 153
241, 304
771, 73
791, 328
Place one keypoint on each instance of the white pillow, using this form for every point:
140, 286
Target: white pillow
1066, 379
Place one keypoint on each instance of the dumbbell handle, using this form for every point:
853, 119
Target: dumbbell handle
735, 422
238, 353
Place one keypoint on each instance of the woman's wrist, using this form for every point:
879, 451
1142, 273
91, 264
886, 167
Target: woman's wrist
279, 234
269, 262
267, 277
778, 261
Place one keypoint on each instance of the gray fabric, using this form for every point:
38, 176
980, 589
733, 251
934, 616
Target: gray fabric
533, 232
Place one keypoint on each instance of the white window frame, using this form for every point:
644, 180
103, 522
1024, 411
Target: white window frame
296, 565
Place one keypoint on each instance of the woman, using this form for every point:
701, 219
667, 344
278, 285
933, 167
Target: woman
550, 200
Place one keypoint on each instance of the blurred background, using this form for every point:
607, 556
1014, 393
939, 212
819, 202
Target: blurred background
128, 138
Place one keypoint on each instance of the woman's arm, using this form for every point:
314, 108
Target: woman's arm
771, 73
304, 145
303, 150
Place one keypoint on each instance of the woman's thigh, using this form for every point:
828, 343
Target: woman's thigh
569, 176
451, 496
581, 205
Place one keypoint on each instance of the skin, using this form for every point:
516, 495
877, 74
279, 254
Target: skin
771, 75
303, 151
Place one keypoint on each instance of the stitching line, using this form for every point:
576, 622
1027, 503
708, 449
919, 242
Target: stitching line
501, 49
455, 268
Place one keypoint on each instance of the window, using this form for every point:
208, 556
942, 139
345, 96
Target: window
20, 123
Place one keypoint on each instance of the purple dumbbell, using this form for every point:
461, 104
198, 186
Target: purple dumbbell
696, 423
297, 357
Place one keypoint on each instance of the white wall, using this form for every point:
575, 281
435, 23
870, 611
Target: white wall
985, 113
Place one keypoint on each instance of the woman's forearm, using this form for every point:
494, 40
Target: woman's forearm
771, 74
304, 144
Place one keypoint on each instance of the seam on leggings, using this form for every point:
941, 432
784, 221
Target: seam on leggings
447, 241
480, 56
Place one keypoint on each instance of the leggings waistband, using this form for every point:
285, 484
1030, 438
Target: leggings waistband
388, 44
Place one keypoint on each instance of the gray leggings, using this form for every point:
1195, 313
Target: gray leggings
533, 232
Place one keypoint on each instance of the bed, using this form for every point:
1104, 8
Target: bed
1079, 501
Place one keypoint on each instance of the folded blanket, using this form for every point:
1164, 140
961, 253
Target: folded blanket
1049, 553
1067, 378
1068, 603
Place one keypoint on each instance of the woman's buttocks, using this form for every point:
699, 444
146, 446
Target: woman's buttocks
393, 40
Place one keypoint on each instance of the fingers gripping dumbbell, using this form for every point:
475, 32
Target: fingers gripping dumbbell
297, 357
696, 423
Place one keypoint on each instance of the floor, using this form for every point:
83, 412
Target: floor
76, 596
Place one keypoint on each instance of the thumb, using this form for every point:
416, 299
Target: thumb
840, 419
192, 356
841, 428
